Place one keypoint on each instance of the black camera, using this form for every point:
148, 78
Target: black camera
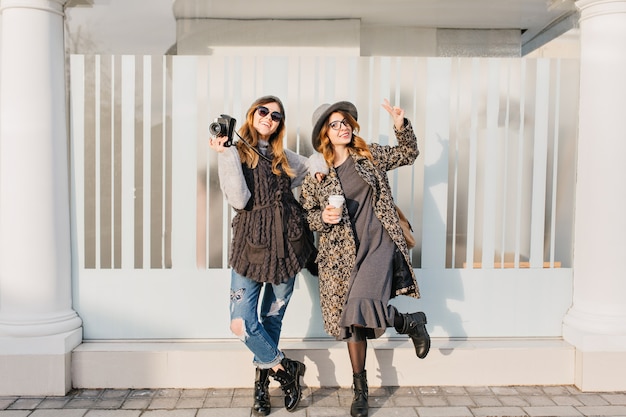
223, 126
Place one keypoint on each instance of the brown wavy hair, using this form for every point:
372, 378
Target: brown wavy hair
357, 144
280, 164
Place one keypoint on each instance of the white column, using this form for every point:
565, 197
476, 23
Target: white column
38, 327
596, 322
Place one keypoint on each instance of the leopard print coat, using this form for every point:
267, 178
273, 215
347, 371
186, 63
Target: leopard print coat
337, 248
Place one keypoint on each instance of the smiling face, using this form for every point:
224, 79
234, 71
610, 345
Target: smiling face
339, 130
265, 125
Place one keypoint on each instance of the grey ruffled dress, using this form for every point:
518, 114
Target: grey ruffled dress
367, 301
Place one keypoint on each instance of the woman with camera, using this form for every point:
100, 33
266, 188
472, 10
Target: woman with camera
271, 241
361, 245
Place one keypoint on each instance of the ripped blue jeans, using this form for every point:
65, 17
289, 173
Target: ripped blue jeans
261, 327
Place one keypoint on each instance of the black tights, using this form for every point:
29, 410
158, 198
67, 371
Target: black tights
358, 350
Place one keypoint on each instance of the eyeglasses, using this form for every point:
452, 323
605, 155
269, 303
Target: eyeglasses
336, 125
264, 111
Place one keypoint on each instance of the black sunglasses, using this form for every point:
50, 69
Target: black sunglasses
264, 111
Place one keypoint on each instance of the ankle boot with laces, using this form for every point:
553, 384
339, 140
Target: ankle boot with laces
289, 381
415, 326
261, 405
359, 406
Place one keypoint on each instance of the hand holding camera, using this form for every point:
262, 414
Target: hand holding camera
222, 127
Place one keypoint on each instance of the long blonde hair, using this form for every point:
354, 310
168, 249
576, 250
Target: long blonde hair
357, 144
248, 156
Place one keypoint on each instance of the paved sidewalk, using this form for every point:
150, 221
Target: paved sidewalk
326, 402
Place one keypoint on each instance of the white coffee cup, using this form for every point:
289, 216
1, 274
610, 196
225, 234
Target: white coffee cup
337, 202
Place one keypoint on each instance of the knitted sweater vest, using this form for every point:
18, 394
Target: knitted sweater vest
271, 239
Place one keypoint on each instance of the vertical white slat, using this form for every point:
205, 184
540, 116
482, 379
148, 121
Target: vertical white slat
128, 161
491, 163
540, 157
77, 102
164, 123
437, 134
520, 165
473, 152
456, 150
184, 164
147, 145
555, 160
505, 166
97, 233
111, 221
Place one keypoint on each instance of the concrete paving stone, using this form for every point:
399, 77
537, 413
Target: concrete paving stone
327, 412
454, 390
142, 393
555, 411
529, 390
109, 404
460, 400
324, 400
591, 399
400, 391
194, 393
190, 403
25, 404
14, 413
615, 399
428, 390
486, 401
168, 392
222, 412
113, 413
162, 403
556, 390
377, 402
249, 392
479, 390
87, 393
435, 401
539, 400
504, 390
603, 410
220, 392
85, 403
58, 413
53, 402
512, 400
241, 402
115, 393
168, 413
282, 412
217, 402
136, 403
498, 412
407, 401
443, 412
392, 412
566, 400
6, 402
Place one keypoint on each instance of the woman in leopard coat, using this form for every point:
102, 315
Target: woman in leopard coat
357, 246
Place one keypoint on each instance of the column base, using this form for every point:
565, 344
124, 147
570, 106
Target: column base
38, 365
600, 357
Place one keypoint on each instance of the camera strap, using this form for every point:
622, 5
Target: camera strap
253, 148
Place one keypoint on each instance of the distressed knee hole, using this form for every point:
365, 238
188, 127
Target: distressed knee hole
275, 307
238, 328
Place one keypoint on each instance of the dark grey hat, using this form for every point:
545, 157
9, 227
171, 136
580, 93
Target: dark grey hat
323, 112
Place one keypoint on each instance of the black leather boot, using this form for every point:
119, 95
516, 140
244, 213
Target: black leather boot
261, 405
359, 406
415, 326
289, 380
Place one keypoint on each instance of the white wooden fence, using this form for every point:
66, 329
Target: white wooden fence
491, 197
